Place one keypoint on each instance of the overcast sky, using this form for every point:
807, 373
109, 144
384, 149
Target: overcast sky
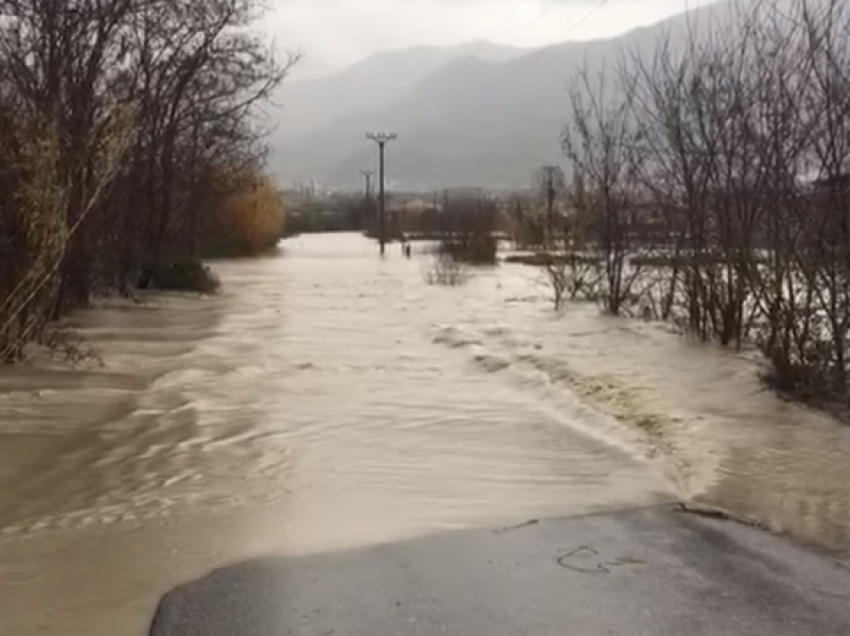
335, 33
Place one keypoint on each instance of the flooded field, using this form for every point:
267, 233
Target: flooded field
330, 399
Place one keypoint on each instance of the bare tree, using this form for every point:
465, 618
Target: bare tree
602, 145
729, 123
118, 121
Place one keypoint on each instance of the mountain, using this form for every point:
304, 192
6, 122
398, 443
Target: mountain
311, 103
462, 117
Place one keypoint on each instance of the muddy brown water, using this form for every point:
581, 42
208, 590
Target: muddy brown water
329, 399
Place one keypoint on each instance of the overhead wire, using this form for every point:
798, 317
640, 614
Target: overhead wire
530, 59
547, 8
512, 12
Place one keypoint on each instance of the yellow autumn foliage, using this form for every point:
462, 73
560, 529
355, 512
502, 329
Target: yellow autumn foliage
249, 217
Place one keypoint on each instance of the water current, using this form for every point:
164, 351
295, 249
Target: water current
329, 399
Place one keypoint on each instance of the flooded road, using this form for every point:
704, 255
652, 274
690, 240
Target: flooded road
328, 399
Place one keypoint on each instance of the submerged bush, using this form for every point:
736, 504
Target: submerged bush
479, 251
445, 270
181, 276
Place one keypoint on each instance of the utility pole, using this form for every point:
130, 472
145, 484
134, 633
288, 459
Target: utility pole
550, 172
367, 175
381, 139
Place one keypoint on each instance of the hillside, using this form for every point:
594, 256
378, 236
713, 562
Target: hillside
309, 104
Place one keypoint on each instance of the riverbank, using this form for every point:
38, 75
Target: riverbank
730, 442
727, 440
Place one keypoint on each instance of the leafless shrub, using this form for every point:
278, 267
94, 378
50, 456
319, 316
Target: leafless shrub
468, 227
69, 346
572, 270
573, 276
443, 269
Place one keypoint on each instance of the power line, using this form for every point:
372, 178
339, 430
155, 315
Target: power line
511, 13
543, 13
581, 20
547, 8
549, 5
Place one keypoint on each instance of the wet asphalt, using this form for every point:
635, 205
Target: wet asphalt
646, 572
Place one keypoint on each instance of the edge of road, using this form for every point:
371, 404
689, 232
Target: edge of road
681, 549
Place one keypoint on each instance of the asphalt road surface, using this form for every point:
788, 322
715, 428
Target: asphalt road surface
649, 572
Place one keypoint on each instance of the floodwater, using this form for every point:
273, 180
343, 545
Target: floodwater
329, 399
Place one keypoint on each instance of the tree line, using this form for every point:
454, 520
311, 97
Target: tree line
709, 185
130, 146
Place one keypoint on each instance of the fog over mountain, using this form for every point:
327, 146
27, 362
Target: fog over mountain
478, 114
